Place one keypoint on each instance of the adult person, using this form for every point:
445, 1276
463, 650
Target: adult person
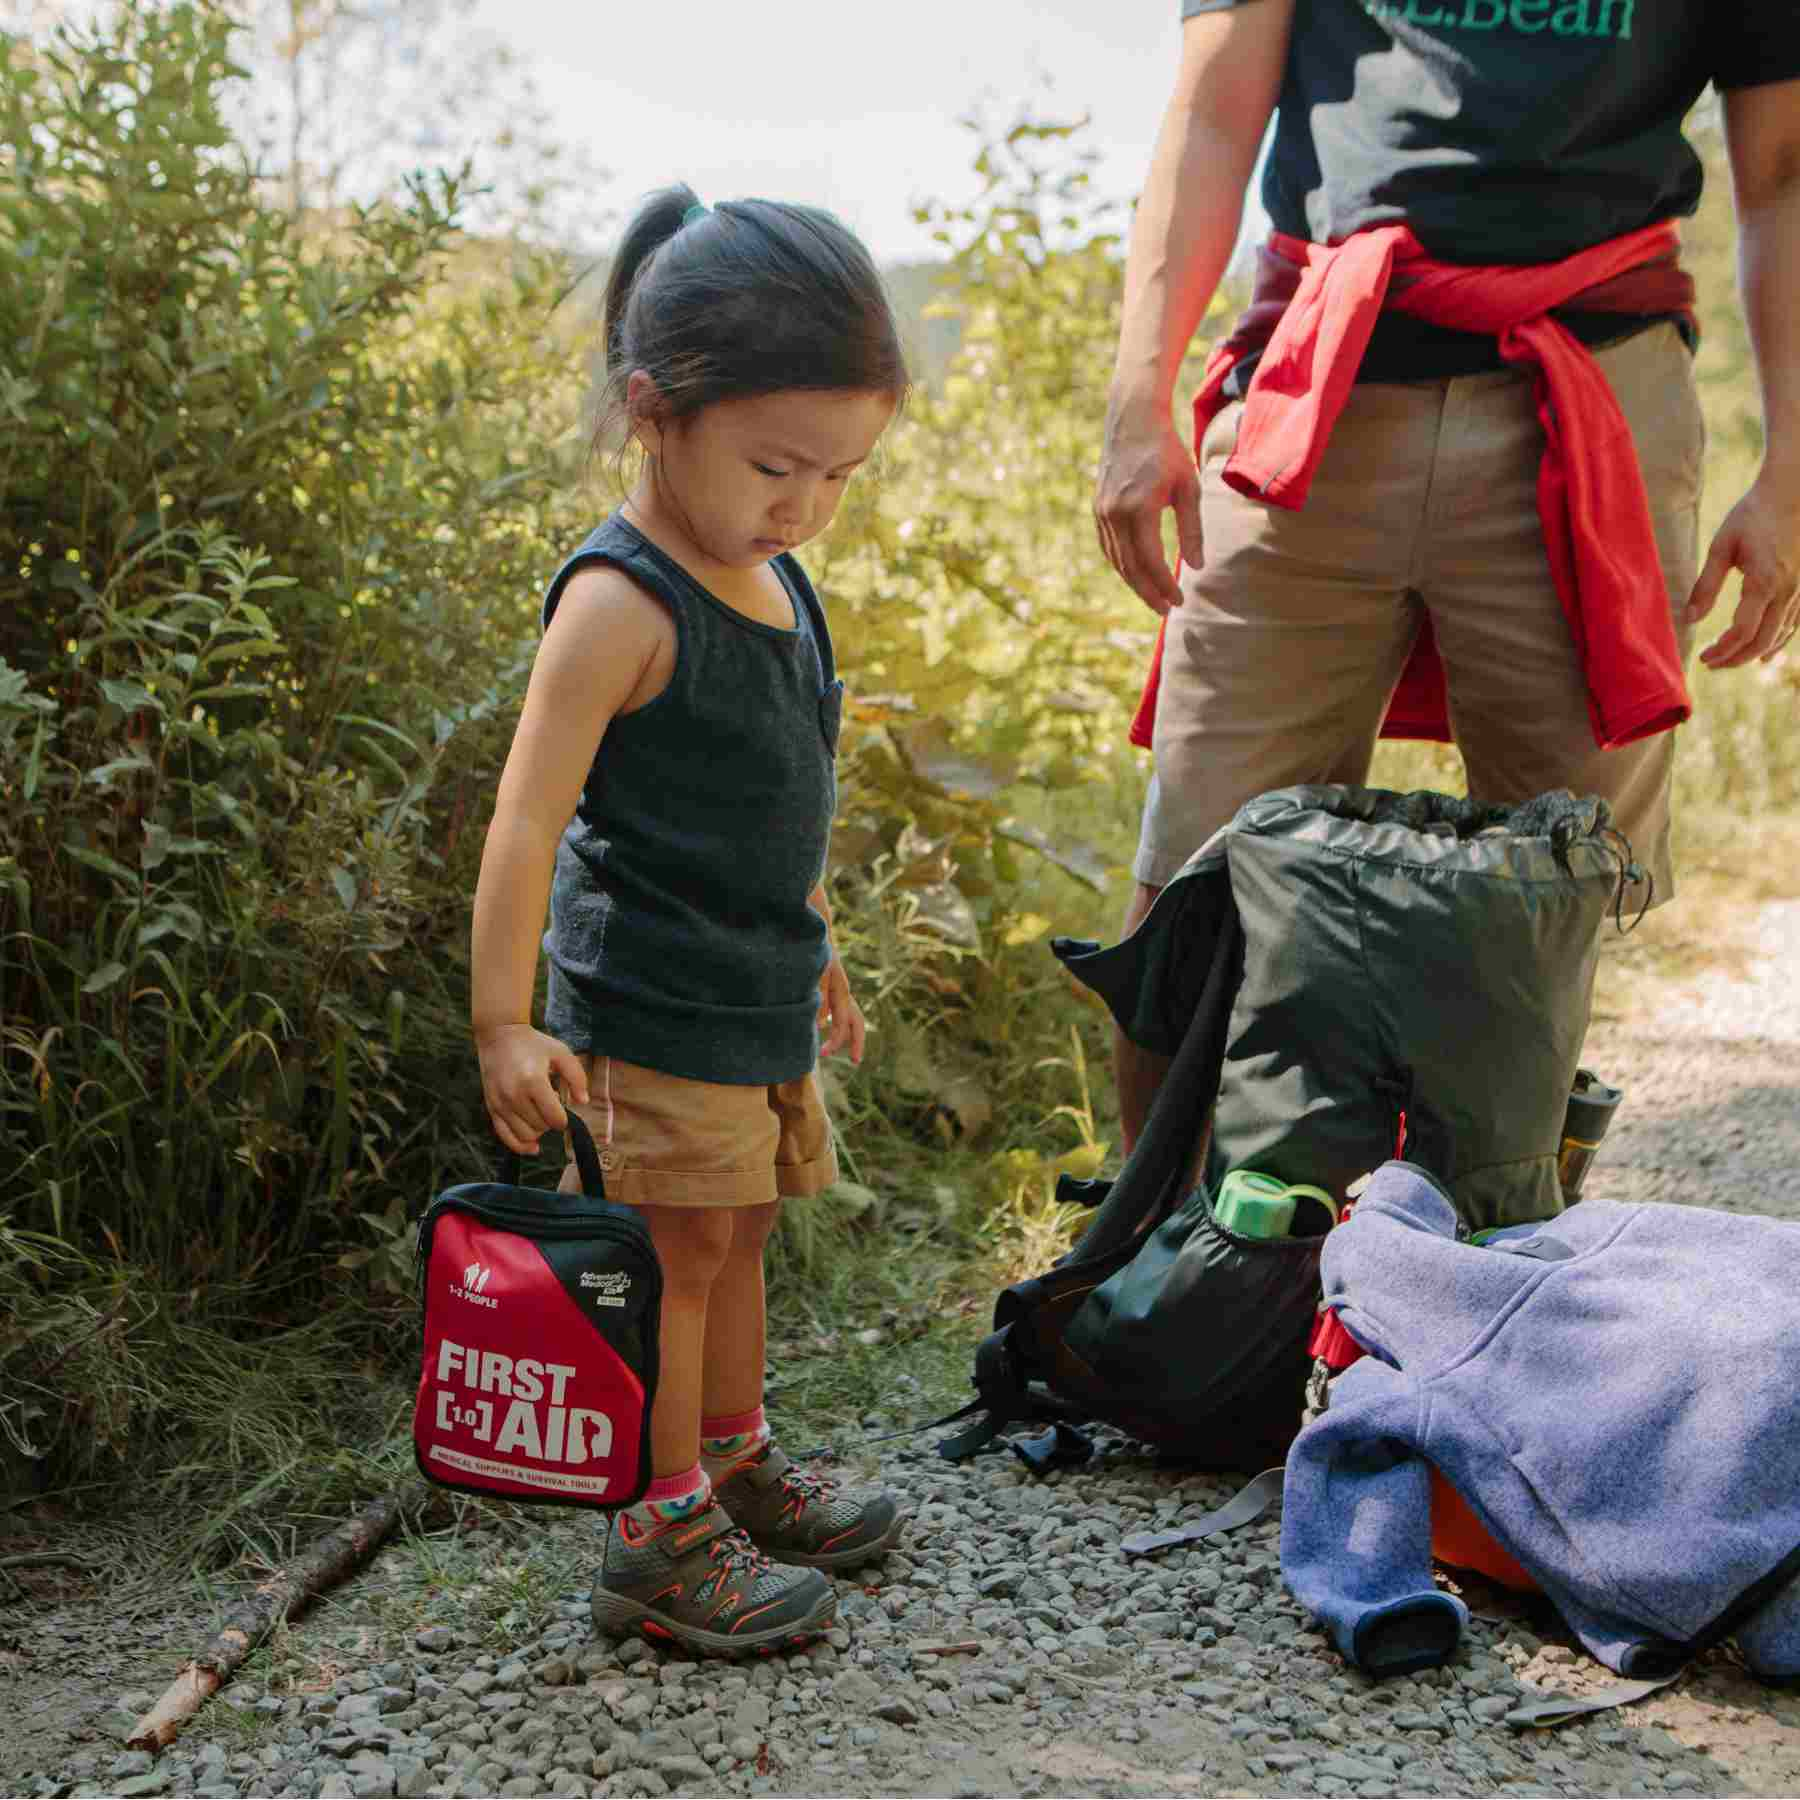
1403, 466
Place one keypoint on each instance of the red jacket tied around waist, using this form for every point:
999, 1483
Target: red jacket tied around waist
1314, 310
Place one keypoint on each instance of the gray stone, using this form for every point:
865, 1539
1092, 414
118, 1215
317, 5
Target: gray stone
432, 1638
682, 1771
897, 1710
512, 1676
336, 1787
644, 1781
155, 1782
412, 1778
473, 1682
751, 1714
854, 1688
1352, 1768
134, 1762
371, 1777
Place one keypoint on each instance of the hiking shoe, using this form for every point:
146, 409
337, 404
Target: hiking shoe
698, 1583
805, 1519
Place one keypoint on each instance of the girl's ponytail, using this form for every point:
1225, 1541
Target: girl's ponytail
652, 225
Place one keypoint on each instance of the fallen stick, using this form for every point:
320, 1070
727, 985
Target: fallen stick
323, 1565
966, 1647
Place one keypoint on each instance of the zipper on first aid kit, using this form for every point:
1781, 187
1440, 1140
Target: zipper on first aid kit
542, 1222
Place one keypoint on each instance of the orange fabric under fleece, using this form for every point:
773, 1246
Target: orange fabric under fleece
1315, 308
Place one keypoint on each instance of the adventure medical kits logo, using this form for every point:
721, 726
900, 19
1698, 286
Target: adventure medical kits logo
612, 1285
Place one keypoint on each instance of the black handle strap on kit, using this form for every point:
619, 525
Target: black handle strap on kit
507, 1166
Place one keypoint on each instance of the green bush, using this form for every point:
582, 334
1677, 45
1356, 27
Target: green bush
240, 788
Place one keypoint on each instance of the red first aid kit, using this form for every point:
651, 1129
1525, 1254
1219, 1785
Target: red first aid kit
541, 1312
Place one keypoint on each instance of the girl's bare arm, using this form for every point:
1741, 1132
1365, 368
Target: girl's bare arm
608, 649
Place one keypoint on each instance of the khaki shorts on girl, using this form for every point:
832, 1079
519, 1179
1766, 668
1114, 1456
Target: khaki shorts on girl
667, 1141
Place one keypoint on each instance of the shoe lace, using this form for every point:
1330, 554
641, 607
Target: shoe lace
734, 1552
800, 1490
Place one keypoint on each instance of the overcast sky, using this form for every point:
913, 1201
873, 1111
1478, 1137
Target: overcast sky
852, 107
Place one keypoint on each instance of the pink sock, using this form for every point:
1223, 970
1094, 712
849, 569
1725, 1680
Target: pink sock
728, 1439
673, 1497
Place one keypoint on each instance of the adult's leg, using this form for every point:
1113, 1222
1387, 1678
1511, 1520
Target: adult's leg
1278, 666
1518, 696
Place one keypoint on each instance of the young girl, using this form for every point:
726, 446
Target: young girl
669, 793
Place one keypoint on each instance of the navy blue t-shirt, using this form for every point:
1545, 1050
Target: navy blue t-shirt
1501, 131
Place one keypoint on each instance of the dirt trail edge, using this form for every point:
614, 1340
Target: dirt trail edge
1006, 1647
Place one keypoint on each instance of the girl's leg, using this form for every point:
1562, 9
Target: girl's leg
736, 1318
694, 1245
732, 1426
793, 1516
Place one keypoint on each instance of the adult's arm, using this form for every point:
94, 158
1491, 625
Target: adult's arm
1181, 239
1761, 535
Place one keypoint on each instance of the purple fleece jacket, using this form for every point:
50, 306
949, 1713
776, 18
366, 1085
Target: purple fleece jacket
1615, 1391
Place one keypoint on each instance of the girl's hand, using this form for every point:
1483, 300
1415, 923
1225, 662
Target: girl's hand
517, 1062
841, 1022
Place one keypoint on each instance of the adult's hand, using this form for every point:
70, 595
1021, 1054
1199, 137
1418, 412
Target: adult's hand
1145, 470
1760, 538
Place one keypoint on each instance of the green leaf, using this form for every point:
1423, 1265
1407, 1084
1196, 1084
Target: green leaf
1082, 861
136, 764
34, 764
929, 752
96, 859
103, 978
130, 696
177, 917
345, 883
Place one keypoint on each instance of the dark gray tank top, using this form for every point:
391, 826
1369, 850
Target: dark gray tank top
680, 935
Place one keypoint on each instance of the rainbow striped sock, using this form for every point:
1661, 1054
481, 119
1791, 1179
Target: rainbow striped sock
731, 1439
672, 1497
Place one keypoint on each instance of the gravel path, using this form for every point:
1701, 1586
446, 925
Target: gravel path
1073, 1671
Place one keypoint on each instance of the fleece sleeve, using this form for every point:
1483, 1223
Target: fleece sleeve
1356, 1528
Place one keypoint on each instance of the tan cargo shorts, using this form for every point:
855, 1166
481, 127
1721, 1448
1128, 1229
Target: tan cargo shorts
667, 1141
1278, 666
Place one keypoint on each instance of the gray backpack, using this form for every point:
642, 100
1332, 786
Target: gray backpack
1342, 975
